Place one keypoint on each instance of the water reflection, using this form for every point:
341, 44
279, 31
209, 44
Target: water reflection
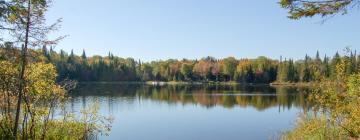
259, 97
211, 112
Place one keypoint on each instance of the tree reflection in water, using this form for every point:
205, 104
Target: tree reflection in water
228, 96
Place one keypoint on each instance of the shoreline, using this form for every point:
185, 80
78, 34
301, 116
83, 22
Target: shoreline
160, 83
301, 84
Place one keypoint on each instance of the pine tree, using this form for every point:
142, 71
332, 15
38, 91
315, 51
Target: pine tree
83, 56
317, 57
283, 71
62, 55
326, 69
71, 58
335, 61
44, 50
351, 63
305, 74
291, 74
358, 64
250, 75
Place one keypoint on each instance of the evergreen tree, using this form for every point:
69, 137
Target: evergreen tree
305, 74
83, 55
317, 57
358, 63
291, 73
62, 55
45, 51
326, 69
283, 71
335, 61
71, 58
250, 75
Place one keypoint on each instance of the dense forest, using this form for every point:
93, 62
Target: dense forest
259, 70
209, 69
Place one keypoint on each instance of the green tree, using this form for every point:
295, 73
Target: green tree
229, 67
335, 61
305, 73
186, 70
282, 75
83, 55
326, 67
358, 63
292, 74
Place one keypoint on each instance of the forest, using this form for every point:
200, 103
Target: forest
208, 69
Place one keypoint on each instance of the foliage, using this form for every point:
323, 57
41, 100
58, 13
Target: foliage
258, 70
208, 69
43, 99
308, 8
30, 96
337, 101
313, 129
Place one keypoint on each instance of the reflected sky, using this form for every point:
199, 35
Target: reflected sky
193, 112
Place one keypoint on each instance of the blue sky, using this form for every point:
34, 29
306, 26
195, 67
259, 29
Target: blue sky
162, 29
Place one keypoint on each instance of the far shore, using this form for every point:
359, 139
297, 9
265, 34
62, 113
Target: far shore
300, 84
274, 84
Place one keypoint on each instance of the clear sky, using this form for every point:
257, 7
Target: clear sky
162, 29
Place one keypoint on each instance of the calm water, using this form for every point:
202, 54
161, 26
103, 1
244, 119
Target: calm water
194, 112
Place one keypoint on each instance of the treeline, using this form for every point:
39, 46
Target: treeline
113, 68
209, 69
317, 69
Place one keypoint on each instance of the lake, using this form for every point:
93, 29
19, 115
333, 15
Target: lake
194, 112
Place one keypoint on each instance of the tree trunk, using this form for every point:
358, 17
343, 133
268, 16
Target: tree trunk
22, 71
